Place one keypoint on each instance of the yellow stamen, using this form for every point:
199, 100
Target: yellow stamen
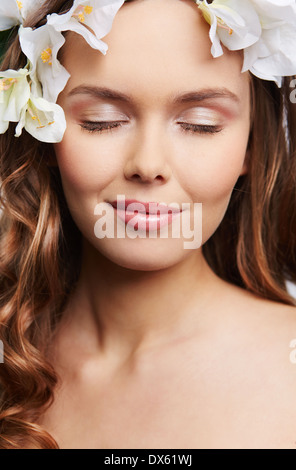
88, 10
81, 11
36, 118
6, 83
81, 17
19, 4
46, 56
223, 25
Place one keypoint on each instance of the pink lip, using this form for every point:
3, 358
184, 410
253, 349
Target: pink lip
145, 215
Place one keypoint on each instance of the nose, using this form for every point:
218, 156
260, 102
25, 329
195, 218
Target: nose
148, 158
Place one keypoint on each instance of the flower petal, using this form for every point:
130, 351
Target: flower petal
264, 29
14, 95
273, 56
41, 46
238, 24
43, 120
10, 14
89, 37
91, 18
101, 14
273, 12
216, 48
28, 7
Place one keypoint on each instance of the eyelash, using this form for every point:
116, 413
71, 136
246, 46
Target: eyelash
107, 126
200, 128
93, 126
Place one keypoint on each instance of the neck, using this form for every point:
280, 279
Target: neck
127, 311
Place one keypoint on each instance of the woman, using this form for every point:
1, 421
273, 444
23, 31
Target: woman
138, 342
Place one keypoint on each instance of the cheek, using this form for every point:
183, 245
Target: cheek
85, 166
211, 173
85, 171
214, 165
221, 174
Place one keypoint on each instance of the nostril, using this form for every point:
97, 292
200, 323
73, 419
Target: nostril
136, 176
144, 178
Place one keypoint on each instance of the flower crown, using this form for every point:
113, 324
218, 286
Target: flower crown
264, 29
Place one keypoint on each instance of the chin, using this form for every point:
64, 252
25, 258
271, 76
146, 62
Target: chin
148, 255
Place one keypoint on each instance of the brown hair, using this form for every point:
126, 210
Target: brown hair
40, 246
255, 246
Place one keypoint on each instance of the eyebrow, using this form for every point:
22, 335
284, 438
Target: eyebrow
191, 96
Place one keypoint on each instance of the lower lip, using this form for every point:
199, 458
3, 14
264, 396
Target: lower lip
141, 221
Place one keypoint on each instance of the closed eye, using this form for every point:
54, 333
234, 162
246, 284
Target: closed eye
200, 128
100, 126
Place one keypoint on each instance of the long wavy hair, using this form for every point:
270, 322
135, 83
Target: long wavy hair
40, 245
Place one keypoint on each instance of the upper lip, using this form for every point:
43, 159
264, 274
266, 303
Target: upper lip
150, 207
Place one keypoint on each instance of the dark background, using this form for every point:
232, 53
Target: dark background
4, 40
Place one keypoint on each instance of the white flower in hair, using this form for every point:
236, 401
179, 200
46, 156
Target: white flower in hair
15, 12
43, 120
41, 47
14, 95
29, 95
90, 18
273, 55
264, 29
234, 23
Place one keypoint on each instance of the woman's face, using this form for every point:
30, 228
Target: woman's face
156, 119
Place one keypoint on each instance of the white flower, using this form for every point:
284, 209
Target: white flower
29, 95
43, 120
90, 18
10, 14
14, 95
273, 12
28, 7
264, 29
14, 12
41, 46
273, 56
234, 23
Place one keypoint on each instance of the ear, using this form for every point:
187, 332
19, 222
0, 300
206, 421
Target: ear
245, 167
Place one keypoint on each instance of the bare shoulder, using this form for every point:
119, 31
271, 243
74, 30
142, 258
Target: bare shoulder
269, 313
267, 325
264, 334
251, 360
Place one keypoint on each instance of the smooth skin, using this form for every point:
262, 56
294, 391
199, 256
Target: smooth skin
155, 351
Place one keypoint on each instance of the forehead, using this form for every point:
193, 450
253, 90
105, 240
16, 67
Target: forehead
156, 48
